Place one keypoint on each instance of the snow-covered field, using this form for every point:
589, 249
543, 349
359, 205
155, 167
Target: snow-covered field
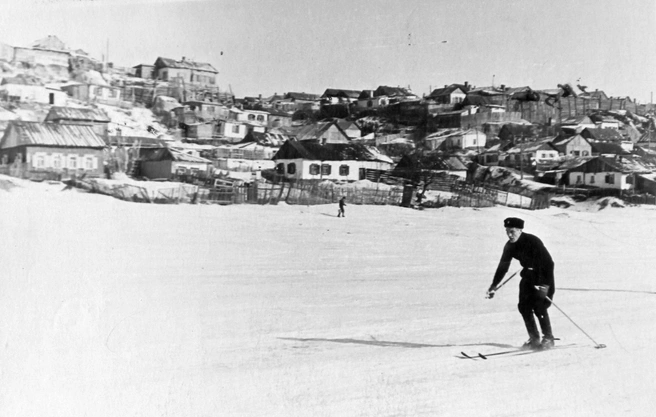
110, 308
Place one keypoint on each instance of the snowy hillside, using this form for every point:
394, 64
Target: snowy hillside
110, 308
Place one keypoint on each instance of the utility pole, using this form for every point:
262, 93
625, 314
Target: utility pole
521, 159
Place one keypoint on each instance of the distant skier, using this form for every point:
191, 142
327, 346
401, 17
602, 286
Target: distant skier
537, 281
342, 204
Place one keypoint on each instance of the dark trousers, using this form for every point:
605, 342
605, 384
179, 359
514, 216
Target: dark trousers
531, 305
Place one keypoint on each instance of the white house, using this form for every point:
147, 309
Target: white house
339, 161
27, 89
233, 130
253, 117
456, 139
601, 172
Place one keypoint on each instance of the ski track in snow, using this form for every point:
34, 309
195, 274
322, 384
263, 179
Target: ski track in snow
112, 308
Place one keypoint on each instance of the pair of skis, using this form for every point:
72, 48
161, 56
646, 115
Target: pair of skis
510, 352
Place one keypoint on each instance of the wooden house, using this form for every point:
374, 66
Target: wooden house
29, 89
452, 94
208, 110
190, 72
56, 60
233, 131
575, 145
616, 172
323, 133
167, 163
95, 118
52, 147
146, 71
367, 100
608, 149
94, 93
335, 161
303, 101
531, 154
279, 118
339, 96
452, 139
602, 135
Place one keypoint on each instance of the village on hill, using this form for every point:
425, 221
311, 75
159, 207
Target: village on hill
167, 132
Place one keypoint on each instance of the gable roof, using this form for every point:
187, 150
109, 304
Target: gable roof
169, 154
440, 92
385, 90
335, 92
185, 64
50, 134
293, 149
314, 131
608, 135
78, 114
531, 147
302, 96
625, 164
608, 148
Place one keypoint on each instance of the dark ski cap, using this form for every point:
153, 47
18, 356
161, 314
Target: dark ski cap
514, 222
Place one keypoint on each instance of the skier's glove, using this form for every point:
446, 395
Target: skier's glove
489, 294
542, 290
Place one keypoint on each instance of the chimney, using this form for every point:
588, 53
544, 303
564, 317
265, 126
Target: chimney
466, 84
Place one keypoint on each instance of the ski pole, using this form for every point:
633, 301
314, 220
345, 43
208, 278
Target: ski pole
597, 345
507, 279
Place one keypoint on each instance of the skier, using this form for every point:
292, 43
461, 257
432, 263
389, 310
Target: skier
537, 281
342, 203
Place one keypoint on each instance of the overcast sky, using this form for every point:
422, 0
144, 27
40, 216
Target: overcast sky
267, 46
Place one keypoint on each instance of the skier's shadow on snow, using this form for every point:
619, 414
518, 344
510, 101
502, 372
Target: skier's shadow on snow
383, 343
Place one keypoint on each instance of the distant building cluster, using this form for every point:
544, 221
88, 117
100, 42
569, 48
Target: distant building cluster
567, 136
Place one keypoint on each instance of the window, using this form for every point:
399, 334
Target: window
585, 153
260, 118
370, 103
72, 162
251, 117
629, 179
165, 75
181, 171
291, 168
578, 179
314, 169
39, 161
235, 128
88, 162
325, 169
280, 168
344, 170
56, 161
610, 179
592, 179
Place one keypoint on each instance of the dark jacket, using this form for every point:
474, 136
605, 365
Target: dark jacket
533, 256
